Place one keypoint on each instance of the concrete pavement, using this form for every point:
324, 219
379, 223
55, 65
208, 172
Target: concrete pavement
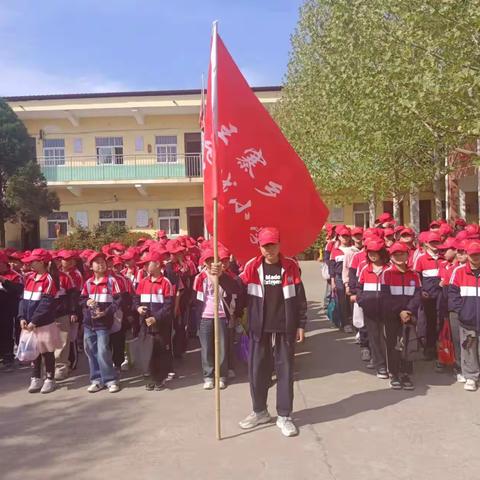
352, 426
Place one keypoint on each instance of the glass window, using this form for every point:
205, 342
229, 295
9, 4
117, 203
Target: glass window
54, 152
57, 223
112, 216
169, 220
109, 150
166, 147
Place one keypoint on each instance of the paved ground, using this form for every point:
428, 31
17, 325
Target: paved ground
352, 425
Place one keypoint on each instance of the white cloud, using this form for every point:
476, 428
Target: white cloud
26, 80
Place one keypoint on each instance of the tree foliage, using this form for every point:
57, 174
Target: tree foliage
379, 91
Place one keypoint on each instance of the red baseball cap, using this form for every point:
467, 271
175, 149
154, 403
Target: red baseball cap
460, 244
398, 247
373, 245
156, 255
268, 235
174, 246
398, 228
343, 230
161, 234
357, 231
67, 254
435, 223
449, 243
39, 254
130, 254
206, 254
384, 218
473, 248
16, 255
432, 237
460, 222
407, 231
445, 229
93, 255
388, 232
117, 261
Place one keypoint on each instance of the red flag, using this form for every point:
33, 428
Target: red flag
249, 165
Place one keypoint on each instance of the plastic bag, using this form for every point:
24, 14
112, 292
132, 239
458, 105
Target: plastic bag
325, 271
332, 311
27, 347
445, 348
357, 316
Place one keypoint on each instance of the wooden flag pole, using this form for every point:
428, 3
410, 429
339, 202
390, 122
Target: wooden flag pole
213, 86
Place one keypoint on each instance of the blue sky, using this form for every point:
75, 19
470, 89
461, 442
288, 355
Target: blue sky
69, 46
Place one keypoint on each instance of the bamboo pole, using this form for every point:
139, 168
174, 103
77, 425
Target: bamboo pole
216, 324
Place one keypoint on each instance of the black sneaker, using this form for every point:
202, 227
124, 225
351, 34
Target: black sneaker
407, 384
382, 373
150, 387
159, 386
395, 383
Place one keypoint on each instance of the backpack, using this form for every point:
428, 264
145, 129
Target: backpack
445, 347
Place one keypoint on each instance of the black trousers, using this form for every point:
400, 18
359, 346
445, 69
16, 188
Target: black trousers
430, 307
376, 340
161, 359
117, 344
49, 359
273, 352
6, 337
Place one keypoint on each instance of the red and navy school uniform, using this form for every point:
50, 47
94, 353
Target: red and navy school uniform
65, 305
38, 304
337, 257
464, 296
106, 292
139, 276
445, 272
401, 291
354, 270
369, 291
156, 294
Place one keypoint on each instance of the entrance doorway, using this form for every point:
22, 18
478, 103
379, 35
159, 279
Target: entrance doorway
193, 149
195, 221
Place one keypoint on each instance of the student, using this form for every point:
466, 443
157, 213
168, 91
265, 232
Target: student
101, 298
464, 299
229, 288
277, 310
336, 261
401, 291
369, 296
11, 288
153, 302
37, 313
427, 264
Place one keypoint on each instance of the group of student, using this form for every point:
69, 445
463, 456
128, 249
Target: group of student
397, 290
141, 305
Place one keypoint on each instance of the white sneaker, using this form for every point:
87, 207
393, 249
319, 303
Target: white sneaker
222, 384
255, 419
171, 376
348, 329
365, 354
208, 384
114, 388
461, 378
95, 387
48, 386
286, 425
470, 385
231, 374
124, 366
35, 385
357, 338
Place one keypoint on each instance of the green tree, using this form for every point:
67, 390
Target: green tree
24, 196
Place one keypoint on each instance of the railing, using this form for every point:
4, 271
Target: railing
121, 167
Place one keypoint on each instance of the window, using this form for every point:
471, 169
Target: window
109, 150
169, 220
54, 152
113, 216
57, 223
166, 149
361, 215
337, 214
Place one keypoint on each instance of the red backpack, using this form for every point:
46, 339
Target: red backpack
445, 348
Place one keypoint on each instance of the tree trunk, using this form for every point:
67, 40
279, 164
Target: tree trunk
372, 210
2, 233
396, 208
414, 209
437, 189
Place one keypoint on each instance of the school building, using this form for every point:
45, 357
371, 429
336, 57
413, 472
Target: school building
135, 158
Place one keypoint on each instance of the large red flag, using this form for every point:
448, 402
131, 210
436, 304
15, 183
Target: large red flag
249, 165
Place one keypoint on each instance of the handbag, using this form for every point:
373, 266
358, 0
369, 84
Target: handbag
445, 347
27, 347
332, 311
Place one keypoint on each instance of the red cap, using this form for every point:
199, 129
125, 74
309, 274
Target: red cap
343, 230
93, 255
407, 231
141, 241
357, 231
388, 232
174, 246
435, 223
223, 253
16, 255
39, 254
460, 244
3, 257
471, 229
432, 237
200, 239
473, 248
130, 254
207, 253
157, 255
449, 242
161, 234
384, 218
399, 228
117, 261
67, 254
445, 229
460, 222
268, 235
374, 245
398, 247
